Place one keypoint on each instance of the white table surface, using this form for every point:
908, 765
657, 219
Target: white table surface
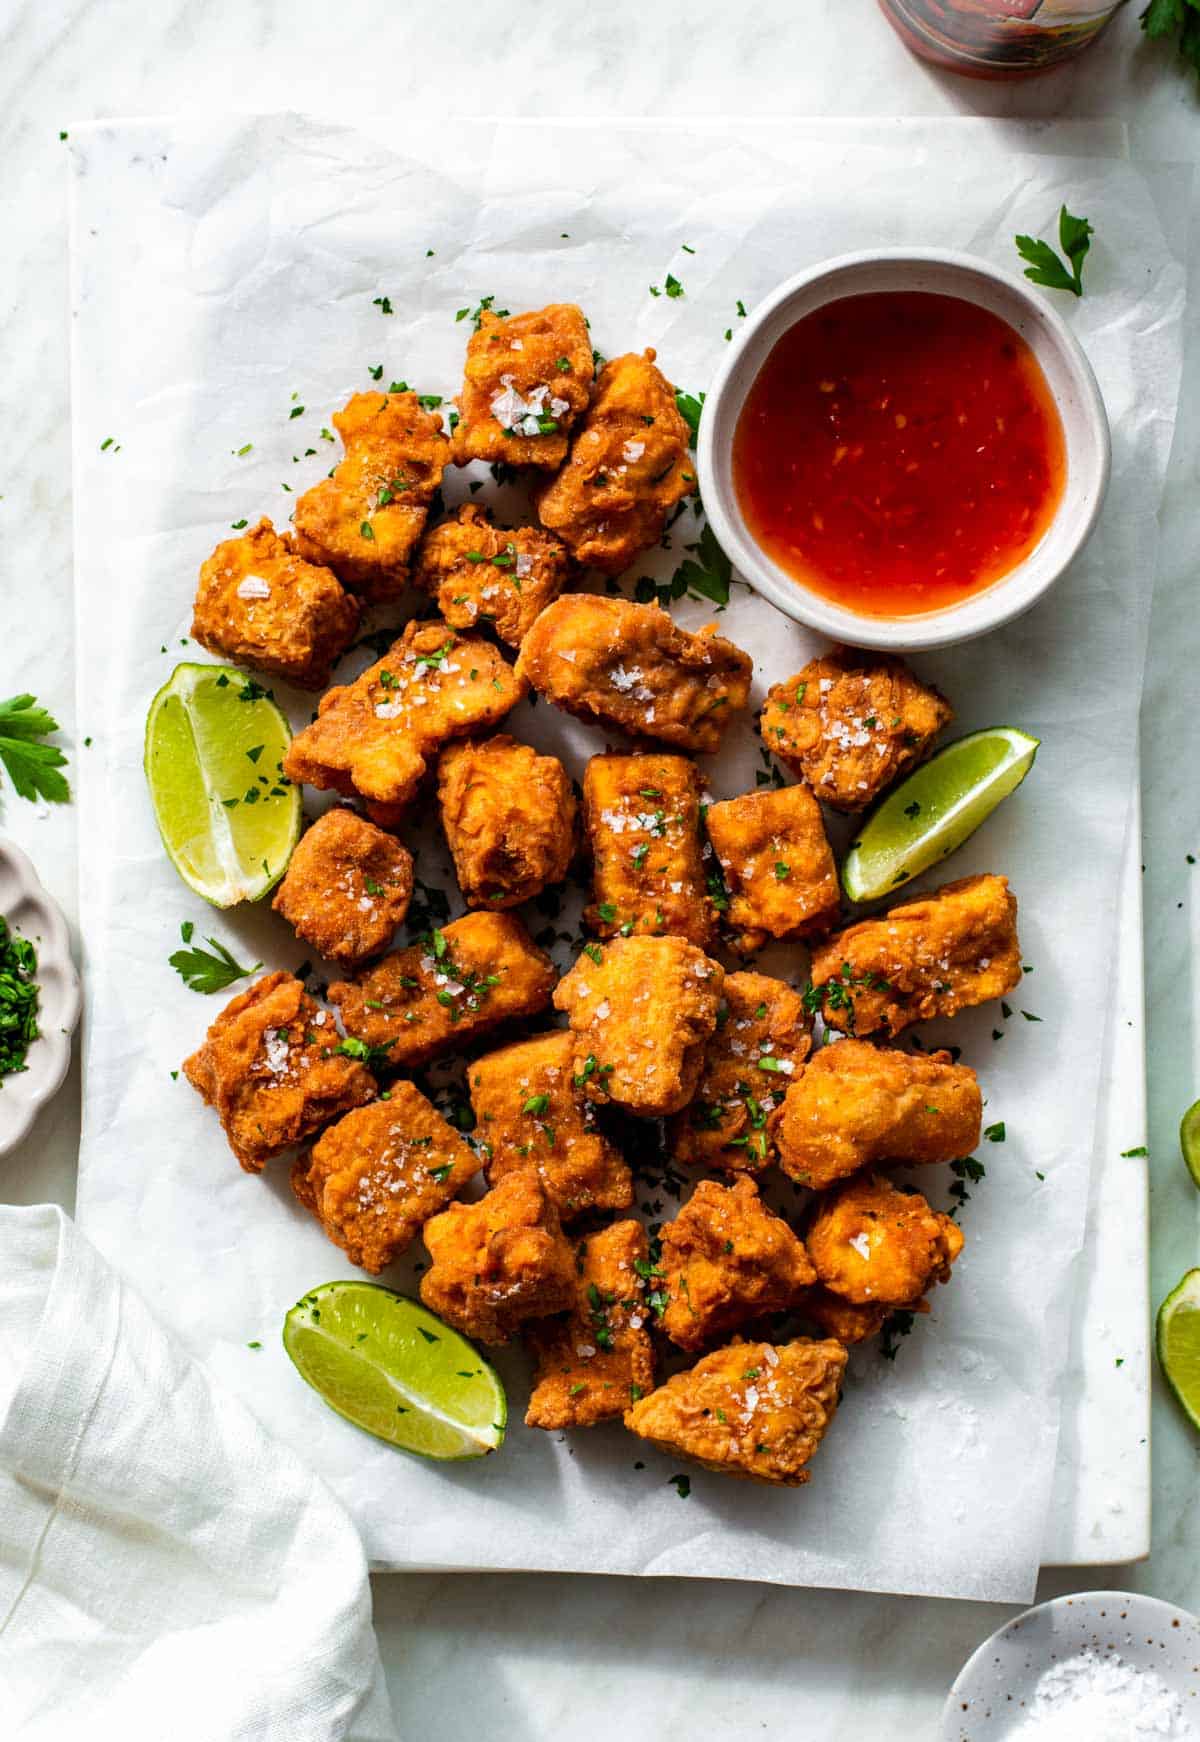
530, 1657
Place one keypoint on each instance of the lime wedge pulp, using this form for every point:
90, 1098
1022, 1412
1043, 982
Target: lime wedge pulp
214, 745
933, 812
1189, 1140
395, 1370
1177, 1339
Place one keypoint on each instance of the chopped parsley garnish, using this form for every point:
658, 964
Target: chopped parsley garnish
690, 405
18, 999
383, 304
707, 573
32, 767
995, 1133
681, 1484
206, 971
367, 531
353, 1048
536, 1104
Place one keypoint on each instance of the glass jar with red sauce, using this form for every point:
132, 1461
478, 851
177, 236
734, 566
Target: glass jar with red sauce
899, 451
999, 39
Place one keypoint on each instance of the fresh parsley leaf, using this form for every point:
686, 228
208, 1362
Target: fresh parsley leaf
209, 972
690, 405
1045, 266
708, 573
32, 767
1163, 18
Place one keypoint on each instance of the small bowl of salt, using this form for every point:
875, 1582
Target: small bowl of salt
1102, 1666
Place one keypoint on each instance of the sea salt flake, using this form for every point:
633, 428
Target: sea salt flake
253, 587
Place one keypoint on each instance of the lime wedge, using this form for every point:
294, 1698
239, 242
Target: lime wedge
228, 819
1189, 1140
933, 812
392, 1368
1177, 1339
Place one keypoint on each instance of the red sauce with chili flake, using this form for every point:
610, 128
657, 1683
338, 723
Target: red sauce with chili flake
898, 452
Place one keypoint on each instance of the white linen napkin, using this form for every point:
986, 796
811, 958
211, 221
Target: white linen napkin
166, 1569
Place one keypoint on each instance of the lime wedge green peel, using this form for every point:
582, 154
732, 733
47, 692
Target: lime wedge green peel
395, 1370
1189, 1140
1177, 1339
936, 809
214, 745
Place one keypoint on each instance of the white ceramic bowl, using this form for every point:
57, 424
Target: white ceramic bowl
993, 1691
31, 912
1071, 382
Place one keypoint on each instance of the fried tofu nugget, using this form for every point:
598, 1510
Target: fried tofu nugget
261, 604
270, 1068
500, 1261
510, 819
630, 666
931, 956
374, 737
835, 1317
778, 866
365, 519
442, 993
628, 467
855, 1105
641, 1016
761, 1040
850, 723
727, 1258
642, 817
528, 377
377, 1176
347, 888
593, 1364
529, 1111
756, 1410
875, 1245
480, 573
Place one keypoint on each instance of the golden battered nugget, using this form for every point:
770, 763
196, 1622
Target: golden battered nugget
778, 866
347, 888
374, 737
593, 1364
365, 519
834, 1317
510, 818
850, 723
642, 817
480, 573
529, 1112
761, 1040
727, 1259
528, 377
641, 1016
444, 992
271, 1068
874, 1245
376, 1177
854, 1105
500, 1261
261, 604
758, 1410
929, 956
630, 666
629, 465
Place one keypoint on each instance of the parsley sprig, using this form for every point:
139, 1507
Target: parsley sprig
1045, 266
1163, 18
205, 971
32, 767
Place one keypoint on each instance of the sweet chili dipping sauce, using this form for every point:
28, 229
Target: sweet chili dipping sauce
899, 451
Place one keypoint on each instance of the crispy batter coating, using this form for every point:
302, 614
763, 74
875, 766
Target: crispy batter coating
928, 957
761, 1040
347, 887
270, 1069
628, 467
758, 1410
630, 666
528, 1111
374, 737
850, 723
592, 1365
855, 1105
642, 816
500, 1261
480, 573
377, 1176
260, 604
835, 1317
510, 818
778, 866
528, 377
364, 520
641, 1016
445, 991
728, 1259
875, 1245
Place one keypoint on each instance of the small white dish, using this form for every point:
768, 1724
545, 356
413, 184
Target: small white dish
991, 1697
1071, 381
31, 913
